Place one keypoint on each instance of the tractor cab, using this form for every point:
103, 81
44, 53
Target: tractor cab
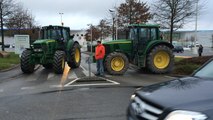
145, 39
58, 33
141, 35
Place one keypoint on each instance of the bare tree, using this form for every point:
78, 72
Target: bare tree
20, 19
105, 29
95, 33
173, 14
100, 31
6, 9
133, 10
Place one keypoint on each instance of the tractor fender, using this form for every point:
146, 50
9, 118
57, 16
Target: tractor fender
156, 43
69, 46
125, 53
150, 46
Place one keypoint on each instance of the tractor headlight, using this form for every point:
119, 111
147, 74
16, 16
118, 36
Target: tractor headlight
37, 50
185, 115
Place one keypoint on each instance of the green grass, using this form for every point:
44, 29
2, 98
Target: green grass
186, 66
10, 61
177, 59
185, 69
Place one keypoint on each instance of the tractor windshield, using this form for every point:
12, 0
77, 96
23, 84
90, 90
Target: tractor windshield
52, 34
133, 34
143, 34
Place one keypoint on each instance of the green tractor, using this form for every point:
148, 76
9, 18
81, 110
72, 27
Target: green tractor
144, 48
55, 47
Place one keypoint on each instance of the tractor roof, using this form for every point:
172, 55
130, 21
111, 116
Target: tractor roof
144, 25
54, 26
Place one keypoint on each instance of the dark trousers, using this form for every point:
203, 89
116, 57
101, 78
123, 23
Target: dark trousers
200, 53
100, 67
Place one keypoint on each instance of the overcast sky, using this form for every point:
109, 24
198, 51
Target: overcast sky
79, 13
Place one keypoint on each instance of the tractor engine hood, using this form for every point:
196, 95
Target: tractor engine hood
44, 41
118, 41
42, 45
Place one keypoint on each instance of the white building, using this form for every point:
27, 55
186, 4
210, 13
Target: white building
204, 37
79, 35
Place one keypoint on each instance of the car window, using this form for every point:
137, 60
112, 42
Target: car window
206, 71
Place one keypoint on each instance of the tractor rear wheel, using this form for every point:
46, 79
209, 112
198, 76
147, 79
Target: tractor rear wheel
160, 59
75, 56
59, 62
116, 63
48, 66
26, 66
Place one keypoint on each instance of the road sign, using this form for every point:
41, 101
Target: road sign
21, 43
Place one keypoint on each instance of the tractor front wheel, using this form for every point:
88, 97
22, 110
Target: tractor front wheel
75, 56
26, 66
59, 62
116, 63
160, 59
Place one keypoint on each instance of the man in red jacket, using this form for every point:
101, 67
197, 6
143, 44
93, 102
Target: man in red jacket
99, 56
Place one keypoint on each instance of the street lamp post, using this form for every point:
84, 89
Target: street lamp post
195, 51
90, 58
196, 19
61, 18
113, 28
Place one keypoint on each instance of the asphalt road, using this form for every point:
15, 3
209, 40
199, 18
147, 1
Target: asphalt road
45, 95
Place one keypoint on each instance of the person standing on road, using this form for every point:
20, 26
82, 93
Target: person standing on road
200, 50
99, 56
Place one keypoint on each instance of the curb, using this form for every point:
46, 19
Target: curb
177, 76
183, 56
12, 76
11, 68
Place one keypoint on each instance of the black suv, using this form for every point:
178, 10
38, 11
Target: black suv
178, 49
188, 98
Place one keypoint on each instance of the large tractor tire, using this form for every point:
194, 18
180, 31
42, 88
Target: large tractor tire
26, 66
75, 56
48, 66
116, 63
59, 62
160, 60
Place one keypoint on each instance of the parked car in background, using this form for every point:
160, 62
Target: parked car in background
178, 49
7, 45
188, 98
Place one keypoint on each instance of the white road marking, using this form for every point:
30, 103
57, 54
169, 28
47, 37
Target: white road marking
56, 86
86, 72
116, 83
50, 75
83, 68
82, 85
71, 82
95, 84
27, 88
170, 77
72, 75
